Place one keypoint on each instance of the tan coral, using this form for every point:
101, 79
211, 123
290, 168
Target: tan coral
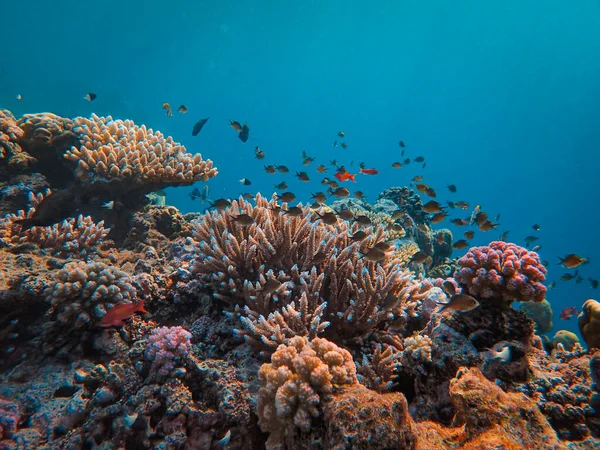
73, 234
295, 381
589, 323
119, 149
10, 133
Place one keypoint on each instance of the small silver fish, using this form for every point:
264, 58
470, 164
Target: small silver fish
109, 205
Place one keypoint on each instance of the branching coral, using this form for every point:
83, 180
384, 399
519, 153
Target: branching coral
73, 234
84, 292
502, 271
278, 259
166, 347
294, 382
116, 149
378, 370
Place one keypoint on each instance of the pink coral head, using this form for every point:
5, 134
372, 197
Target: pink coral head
502, 270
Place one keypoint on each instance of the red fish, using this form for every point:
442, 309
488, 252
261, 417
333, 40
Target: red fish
345, 176
115, 316
369, 171
567, 313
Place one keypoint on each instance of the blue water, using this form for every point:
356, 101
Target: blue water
502, 99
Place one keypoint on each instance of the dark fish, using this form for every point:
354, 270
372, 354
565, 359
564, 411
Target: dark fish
282, 169
270, 286
307, 161
359, 236
569, 276
384, 245
402, 144
90, 97
243, 220
319, 197
459, 222
195, 194
341, 134
407, 161
57, 206
469, 234
397, 214
459, 245
419, 159
530, 239
287, 197
374, 254
248, 196
318, 258
359, 195
432, 207
333, 162
344, 145
235, 125
536, 227
452, 188
504, 236
270, 169
220, 204
293, 211
197, 128
346, 214
363, 220
282, 185
572, 260
438, 217
245, 133
245, 182
321, 169
328, 218
487, 226
182, 109
302, 176
258, 153
593, 283
460, 302
340, 192
418, 258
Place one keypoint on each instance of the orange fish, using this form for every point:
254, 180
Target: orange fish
369, 171
115, 316
345, 176
235, 125
567, 313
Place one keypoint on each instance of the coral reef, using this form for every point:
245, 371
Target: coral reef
540, 313
502, 272
166, 346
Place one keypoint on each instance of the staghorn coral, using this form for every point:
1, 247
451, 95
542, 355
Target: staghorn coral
298, 257
166, 347
589, 323
293, 384
73, 234
378, 370
120, 150
84, 292
502, 272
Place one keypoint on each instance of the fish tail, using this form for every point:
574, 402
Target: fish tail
140, 307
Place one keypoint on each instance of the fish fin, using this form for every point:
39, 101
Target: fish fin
140, 307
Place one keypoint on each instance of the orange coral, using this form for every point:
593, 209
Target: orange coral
294, 382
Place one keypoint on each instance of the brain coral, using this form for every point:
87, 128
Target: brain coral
291, 385
502, 271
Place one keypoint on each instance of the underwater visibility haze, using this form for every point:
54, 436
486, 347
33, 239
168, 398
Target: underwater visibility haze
290, 225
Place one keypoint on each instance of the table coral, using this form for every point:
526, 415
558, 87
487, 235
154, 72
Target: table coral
502, 271
116, 149
294, 382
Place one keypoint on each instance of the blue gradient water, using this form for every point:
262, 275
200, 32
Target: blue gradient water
501, 99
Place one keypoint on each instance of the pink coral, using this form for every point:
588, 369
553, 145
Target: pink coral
166, 347
502, 270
